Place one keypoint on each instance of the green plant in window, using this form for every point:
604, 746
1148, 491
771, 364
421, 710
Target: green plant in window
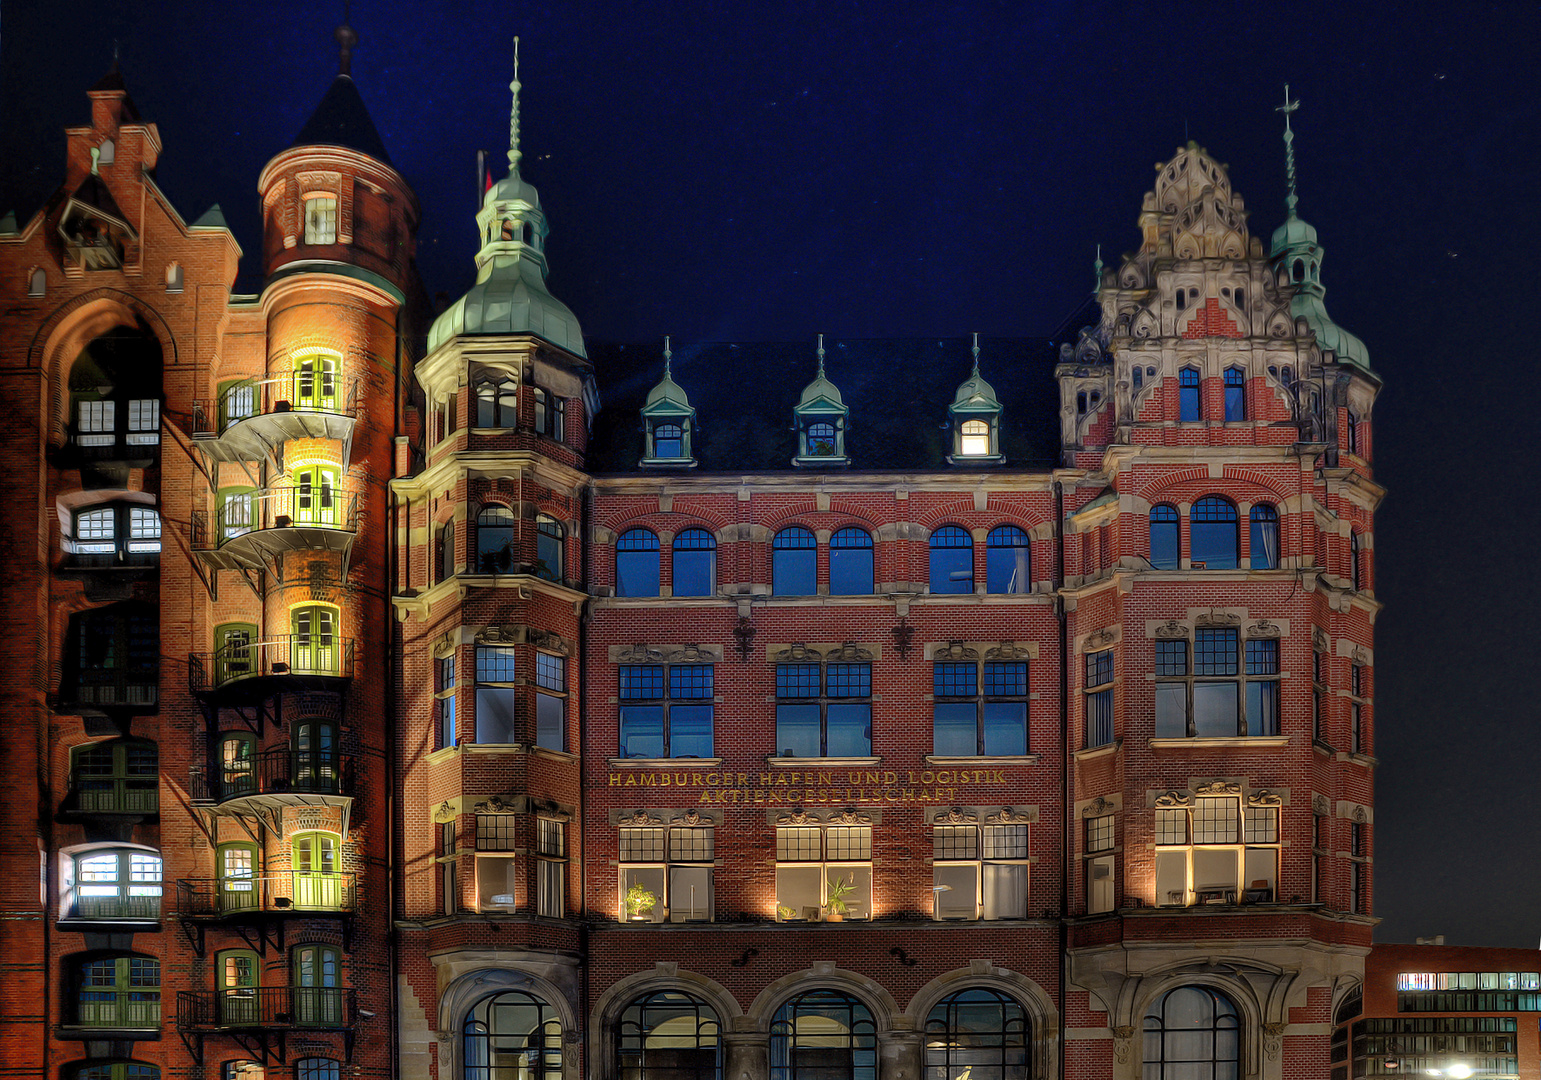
788, 914
640, 901
839, 889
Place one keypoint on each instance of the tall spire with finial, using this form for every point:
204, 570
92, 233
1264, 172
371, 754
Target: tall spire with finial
513, 117
821, 356
976, 354
1289, 149
346, 39
668, 357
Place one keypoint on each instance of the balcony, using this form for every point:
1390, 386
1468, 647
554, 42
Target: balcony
295, 893
246, 533
289, 662
250, 419
118, 1012
115, 909
100, 691
324, 1008
276, 778
137, 796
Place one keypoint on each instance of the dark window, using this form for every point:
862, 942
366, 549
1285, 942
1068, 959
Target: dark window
1007, 554
446, 551
116, 656
981, 1033
495, 694
794, 563
1350, 431
666, 711
850, 563
317, 1068
823, 1035
985, 716
1099, 698
1356, 709
1165, 550
508, 1028
1355, 561
1265, 537
494, 540
549, 535
444, 699
1212, 534
669, 1035
449, 866
636, 564
952, 560
550, 701
118, 992
821, 439
1188, 408
1263, 686
668, 441
824, 711
1206, 701
1318, 692
1192, 1032
695, 563
1235, 394
118, 777
497, 403
548, 414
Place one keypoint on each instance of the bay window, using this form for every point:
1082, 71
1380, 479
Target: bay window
1214, 850
1204, 698
496, 862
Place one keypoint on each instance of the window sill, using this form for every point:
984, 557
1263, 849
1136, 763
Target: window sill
982, 759
1093, 752
1359, 759
510, 748
1233, 740
822, 762
663, 762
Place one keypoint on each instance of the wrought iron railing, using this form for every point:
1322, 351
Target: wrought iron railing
267, 1007
118, 1009
280, 771
289, 891
296, 392
286, 654
303, 506
116, 794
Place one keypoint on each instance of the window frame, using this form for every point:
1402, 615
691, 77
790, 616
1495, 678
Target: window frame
496, 696
792, 856
1235, 382
786, 559
133, 897
1097, 697
320, 213
637, 551
495, 521
1220, 521
550, 867
1265, 533
854, 1047
497, 401
823, 701
668, 860
944, 538
120, 788
1253, 669
1021, 571
551, 696
1227, 1067
667, 702
129, 1002
955, 1041
693, 542
847, 568
632, 1034
550, 413
1190, 402
1166, 517
542, 1043
1249, 830
981, 698
550, 548
1099, 848
123, 544
962, 849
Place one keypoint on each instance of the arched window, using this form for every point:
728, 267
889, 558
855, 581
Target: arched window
113, 1070
1165, 551
668, 441
117, 777
317, 1068
794, 563
316, 971
823, 1035
118, 991
974, 438
116, 884
37, 283
1188, 408
112, 656
636, 563
1265, 537
695, 563
1235, 394
981, 1033
952, 560
1007, 554
238, 973
237, 865
1192, 1033
512, 1034
821, 439
494, 539
669, 1035
1212, 534
1355, 562
497, 403
549, 536
850, 563
446, 553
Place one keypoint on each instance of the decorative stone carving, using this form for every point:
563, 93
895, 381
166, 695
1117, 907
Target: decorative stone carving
798, 816
955, 650
641, 817
955, 816
1319, 806
1097, 808
445, 812
1361, 657
1360, 816
1273, 1040
1264, 629
1319, 639
1264, 798
692, 817
1007, 816
849, 653
1174, 799
1123, 1040
493, 635
444, 1037
850, 816
1171, 629
1007, 650
796, 653
640, 654
1219, 618
695, 654
544, 639
1098, 638
1217, 787
494, 804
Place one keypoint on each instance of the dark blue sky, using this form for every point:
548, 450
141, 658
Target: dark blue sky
721, 171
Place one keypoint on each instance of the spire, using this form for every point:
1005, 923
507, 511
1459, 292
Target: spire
976, 355
513, 117
346, 39
821, 356
1289, 149
668, 356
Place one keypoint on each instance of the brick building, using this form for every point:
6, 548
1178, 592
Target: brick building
394, 707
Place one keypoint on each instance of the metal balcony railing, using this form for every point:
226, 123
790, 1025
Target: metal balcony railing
116, 795
305, 506
280, 771
95, 686
314, 654
118, 908
293, 891
138, 1009
320, 392
327, 1007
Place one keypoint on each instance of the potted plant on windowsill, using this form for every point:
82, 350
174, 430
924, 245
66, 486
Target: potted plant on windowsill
787, 914
640, 902
839, 889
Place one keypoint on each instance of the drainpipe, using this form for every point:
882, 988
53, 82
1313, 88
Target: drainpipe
393, 562
1066, 800
584, 524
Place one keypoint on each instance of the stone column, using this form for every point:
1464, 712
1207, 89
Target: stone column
901, 1055
747, 1055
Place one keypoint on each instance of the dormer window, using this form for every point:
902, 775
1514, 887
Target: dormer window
820, 420
973, 438
976, 419
821, 439
668, 422
321, 220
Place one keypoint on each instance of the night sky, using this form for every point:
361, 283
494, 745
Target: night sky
894, 169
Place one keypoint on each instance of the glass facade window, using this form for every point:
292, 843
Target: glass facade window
824, 710
980, 709
1212, 534
513, 1033
494, 540
823, 1035
1192, 1033
1265, 537
952, 560
666, 711
1007, 561
495, 694
850, 563
1165, 548
794, 563
981, 1034
695, 563
636, 563
669, 1035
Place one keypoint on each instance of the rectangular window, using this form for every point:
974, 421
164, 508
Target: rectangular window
975, 717
666, 873
1318, 692
1210, 698
979, 871
1356, 709
1263, 686
321, 221
444, 700
1099, 865
1099, 698
667, 711
496, 862
551, 867
1318, 856
144, 421
95, 423
495, 694
449, 860
550, 701
836, 722
823, 872
1216, 852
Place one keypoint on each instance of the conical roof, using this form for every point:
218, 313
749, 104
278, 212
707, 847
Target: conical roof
342, 120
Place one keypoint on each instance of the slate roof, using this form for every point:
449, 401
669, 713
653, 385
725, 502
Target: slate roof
898, 391
342, 120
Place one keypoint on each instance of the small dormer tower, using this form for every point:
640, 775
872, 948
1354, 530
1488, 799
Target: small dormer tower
820, 420
668, 421
976, 421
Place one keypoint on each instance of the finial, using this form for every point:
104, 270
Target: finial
667, 357
976, 354
1289, 149
346, 39
821, 356
1097, 268
513, 117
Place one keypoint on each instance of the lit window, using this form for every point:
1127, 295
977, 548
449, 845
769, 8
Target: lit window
1214, 541
550, 867
1099, 698
1191, 1032
315, 384
321, 221
1205, 699
952, 560
1188, 408
495, 694
444, 699
669, 1035
636, 563
1164, 543
794, 563
978, 1029
507, 1028
1215, 851
850, 563
695, 563
666, 873
95, 423
550, 701
666, 712
979, 871
497, 403
824, 869
1007, 561
824, 710
1265, 537
975, 716
316, 496
120, 884
974, 438
1099, 864
312, 646
496, 861
1235, 395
